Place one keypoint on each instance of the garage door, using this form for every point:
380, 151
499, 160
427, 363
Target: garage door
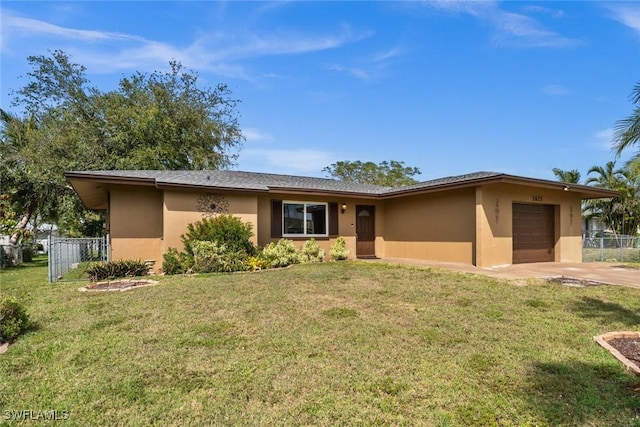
533, 233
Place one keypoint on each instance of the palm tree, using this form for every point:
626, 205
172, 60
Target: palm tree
627, 131
568, 177
621, 213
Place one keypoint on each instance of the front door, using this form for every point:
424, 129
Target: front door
365, 231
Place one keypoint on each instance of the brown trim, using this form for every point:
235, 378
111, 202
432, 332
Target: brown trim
276, 218
585, 191
150, 182
168, 185
333, 219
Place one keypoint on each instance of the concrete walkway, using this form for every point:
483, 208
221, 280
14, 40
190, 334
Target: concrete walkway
610, 273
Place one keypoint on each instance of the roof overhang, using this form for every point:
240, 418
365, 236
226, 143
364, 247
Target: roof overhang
93, 187
585, 191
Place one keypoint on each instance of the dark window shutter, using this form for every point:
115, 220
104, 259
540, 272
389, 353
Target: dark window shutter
276, 218
333, 219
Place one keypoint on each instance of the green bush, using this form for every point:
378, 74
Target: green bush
209, 257
311, 251
218, 244
174, 262
228, 230
13, 319
281, 254
117, 269
339, 251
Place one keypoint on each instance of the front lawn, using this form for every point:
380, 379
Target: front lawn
347, 343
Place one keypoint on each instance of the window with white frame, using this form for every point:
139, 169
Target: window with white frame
302, 219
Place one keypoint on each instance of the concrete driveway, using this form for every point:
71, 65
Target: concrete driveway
610, 273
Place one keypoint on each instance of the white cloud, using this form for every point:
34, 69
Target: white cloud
36, 28
605, 138
388, 54
252, 134
352, 71
510, 29
216, 52
288, 161
627, 14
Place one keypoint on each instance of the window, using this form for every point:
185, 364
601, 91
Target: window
304, 219
295, 219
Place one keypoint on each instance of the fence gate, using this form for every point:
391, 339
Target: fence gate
67, 253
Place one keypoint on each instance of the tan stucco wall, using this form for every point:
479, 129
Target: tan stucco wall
346, 221
180, 208
439, 226
472, 225
135, 223
494, 222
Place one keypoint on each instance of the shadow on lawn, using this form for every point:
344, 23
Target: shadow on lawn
37, 262
579, 393
609, 312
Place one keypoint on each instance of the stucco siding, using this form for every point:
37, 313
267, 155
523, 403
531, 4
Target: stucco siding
431, 227
495, 220
180, 208
346, 221
135, 223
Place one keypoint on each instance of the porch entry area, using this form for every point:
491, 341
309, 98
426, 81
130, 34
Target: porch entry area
365, 231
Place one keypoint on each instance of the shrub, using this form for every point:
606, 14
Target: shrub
209, 257
311, 251
174, 262
13, 319
281, 254
255, 263
117, 269
228, 230
339, 251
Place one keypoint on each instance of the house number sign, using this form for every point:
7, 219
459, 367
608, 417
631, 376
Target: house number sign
537, 198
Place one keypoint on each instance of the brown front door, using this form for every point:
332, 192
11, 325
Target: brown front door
533, 233
365, 231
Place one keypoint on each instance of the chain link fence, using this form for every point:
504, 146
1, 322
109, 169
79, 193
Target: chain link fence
66, 253
602, 246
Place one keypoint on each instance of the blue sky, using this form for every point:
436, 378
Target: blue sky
449, 87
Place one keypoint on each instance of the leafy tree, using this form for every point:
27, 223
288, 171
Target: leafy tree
31, 193
161, 120
387, 173
567, 176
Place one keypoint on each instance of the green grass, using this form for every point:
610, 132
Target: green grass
348, 343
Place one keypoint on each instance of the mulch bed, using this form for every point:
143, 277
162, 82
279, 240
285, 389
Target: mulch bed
628, 347
118, 285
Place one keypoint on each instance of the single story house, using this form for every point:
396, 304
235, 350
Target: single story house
483, 218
